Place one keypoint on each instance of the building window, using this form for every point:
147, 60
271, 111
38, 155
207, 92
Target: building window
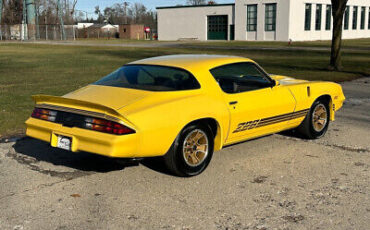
354, 20
328, 17
318, 17
346, 18
252, 18
270, 17
307, 17
362, 25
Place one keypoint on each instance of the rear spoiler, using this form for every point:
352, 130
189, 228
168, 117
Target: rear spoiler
77, 106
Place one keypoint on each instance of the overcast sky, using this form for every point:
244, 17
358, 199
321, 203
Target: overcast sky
89, 5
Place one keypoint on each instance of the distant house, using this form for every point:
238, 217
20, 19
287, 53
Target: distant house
109, 27
97, 31
132, 31
84, 25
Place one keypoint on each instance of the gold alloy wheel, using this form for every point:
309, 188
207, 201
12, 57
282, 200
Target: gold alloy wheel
195, 148
319, 118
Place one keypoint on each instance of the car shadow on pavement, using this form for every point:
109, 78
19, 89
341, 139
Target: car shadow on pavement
156, 164
293, 134
29, 150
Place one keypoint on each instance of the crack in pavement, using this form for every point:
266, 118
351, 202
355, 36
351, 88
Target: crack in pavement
30, 163
348, 148
341, 147
9, 195
40, 186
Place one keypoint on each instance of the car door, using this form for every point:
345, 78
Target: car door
257, 106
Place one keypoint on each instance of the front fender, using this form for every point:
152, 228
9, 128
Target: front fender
307, 93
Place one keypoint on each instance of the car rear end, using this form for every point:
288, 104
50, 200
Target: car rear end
80, 126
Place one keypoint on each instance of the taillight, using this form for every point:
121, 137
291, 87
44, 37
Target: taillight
73, 120
106, 126
44, 114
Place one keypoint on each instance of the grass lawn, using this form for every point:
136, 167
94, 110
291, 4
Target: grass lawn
115, 41
347, 43
27, 69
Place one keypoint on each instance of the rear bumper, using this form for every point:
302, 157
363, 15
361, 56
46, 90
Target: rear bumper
84, 140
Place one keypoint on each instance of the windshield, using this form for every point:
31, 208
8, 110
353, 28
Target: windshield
150, 77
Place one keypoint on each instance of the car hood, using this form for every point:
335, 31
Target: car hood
113, 97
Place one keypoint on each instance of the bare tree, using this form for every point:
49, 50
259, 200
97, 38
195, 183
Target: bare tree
73, 6
339, 7
100, 15
196, 2
126, 13
12, 12
137, 12
125, 6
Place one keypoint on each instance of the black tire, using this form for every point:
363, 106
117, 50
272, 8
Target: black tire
175, 157
307, 128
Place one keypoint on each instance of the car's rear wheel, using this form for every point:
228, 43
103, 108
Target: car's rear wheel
191, 152
317, 120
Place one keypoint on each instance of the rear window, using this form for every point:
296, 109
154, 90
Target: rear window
150, 77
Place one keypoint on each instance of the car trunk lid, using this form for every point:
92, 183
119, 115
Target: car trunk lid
112, 97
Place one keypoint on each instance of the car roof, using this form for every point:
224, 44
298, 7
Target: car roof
192, 61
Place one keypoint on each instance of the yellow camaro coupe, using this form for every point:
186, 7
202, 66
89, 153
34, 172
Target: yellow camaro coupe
182, 107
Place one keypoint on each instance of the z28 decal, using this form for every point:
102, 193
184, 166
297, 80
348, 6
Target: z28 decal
269, 121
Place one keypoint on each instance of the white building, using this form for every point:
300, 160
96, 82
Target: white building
82, 25
110, 27
280, 20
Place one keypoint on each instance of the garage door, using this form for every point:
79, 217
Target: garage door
217, 27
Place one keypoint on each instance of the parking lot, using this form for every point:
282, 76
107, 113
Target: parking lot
275, 182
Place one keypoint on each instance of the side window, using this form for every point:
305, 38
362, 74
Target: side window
240, 77
144, 78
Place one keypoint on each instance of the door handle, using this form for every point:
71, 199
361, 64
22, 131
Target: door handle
233, 102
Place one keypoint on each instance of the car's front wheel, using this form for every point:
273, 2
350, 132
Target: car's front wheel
191, 152
317, 120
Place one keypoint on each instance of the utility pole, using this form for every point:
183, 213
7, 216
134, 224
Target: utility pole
24, 21
46, 27
60, 13
46, 14
31, 18
37, 22
1, 14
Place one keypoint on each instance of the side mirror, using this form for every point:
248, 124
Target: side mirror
275, 83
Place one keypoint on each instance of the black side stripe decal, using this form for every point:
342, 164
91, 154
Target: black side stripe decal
270, 120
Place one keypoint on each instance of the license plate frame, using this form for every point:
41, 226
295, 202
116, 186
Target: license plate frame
64, 142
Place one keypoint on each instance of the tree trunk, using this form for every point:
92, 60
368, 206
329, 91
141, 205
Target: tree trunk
1, 16
339, 7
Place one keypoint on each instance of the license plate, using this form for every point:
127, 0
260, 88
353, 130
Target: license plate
64, 143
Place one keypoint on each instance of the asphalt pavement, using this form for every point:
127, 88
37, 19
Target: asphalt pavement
275, 182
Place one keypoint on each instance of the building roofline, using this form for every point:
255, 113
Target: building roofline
174, 7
